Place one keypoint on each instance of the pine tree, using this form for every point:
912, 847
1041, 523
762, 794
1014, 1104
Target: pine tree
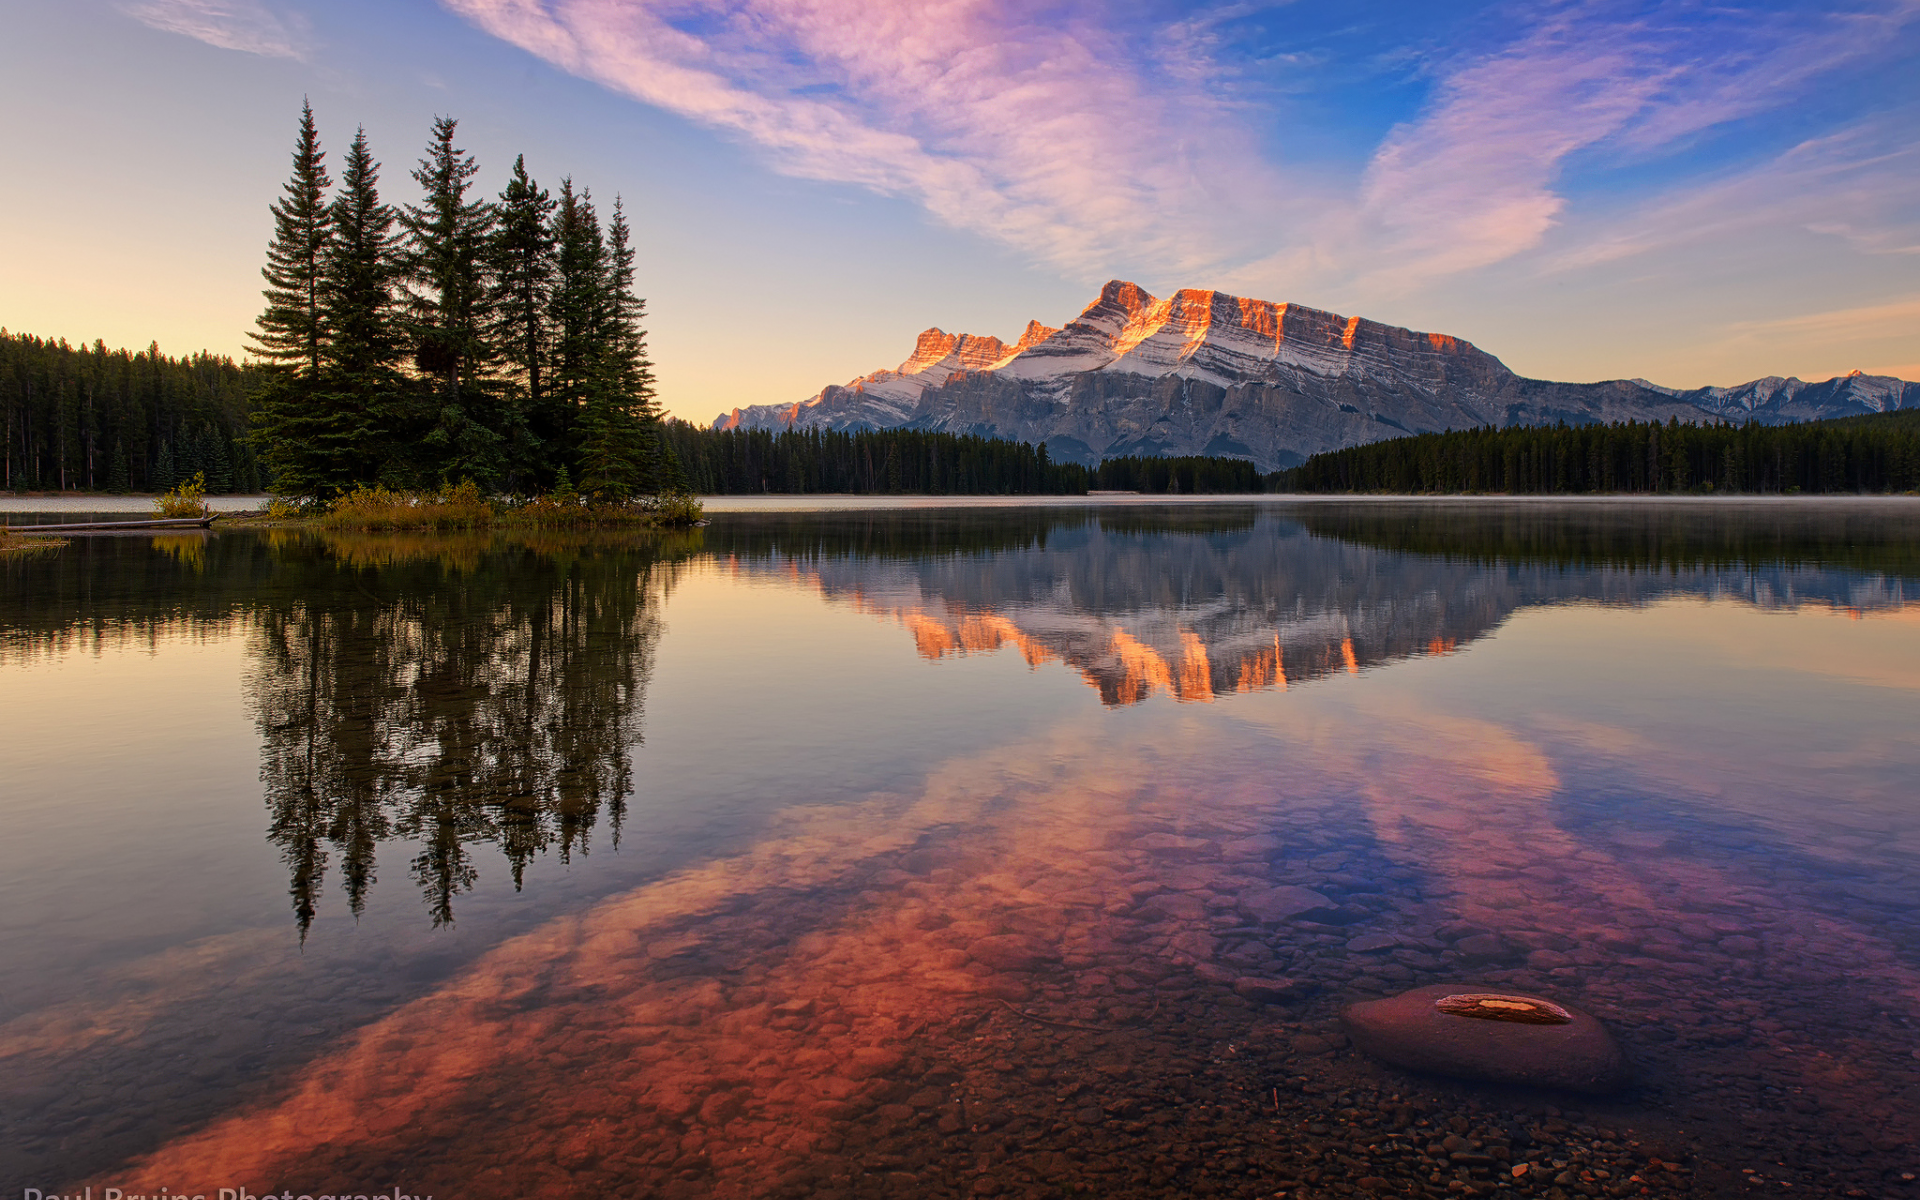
188, 459
523, 276
291, 330
673, 476
619, 452
578, 291
163, 476
449, 313
357, 432
219, 464
117, 482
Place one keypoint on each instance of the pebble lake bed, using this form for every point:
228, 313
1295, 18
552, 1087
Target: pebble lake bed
1025, 851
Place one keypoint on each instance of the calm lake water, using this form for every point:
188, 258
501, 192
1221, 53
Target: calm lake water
925, 852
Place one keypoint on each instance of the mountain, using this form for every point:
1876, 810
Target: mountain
1202, 372
1140, 604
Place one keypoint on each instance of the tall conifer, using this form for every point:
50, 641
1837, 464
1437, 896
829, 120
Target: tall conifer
292, 333
579, 263
163, 476
619, 448
449, 313
357, 432
523, 273
291, 330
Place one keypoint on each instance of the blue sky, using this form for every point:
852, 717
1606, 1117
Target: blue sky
1690, 193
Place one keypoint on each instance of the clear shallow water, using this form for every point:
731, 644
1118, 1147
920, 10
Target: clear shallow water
918, 853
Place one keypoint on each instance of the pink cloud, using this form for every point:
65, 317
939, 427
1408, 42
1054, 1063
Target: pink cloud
1043, 129
1038, 131
1475, 179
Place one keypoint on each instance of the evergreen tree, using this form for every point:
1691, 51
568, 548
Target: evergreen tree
163, 476
219, 464
291, 331
523, 275
188, 458
450, 317
117, 482
618, 446
357, 431
291, 337
673, 479
575, 316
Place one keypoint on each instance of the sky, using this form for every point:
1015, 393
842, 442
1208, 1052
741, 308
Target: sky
1689, 193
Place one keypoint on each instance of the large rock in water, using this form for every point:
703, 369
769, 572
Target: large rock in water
1480, 1033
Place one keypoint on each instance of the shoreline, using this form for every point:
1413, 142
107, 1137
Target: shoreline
70, 503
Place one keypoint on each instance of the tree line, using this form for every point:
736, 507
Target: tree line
867, 462
87, 418
460, 337
1187, 475
897, 461
1879, 453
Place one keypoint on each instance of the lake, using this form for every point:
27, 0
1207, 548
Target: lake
983, 850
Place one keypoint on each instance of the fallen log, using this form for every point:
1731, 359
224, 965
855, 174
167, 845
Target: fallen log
108, 526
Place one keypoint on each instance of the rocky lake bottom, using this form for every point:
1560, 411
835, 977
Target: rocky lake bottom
1031, 938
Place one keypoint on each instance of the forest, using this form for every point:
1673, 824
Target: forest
900, 461
86, 418
1876, 453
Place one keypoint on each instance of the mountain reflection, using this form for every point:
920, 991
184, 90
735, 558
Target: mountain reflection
449, 692
1195, 602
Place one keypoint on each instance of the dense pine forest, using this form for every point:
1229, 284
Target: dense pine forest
461, 337
1189, 476
741, 461
86, 418
898, 461
1879, 453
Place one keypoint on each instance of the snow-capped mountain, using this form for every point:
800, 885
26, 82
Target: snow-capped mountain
1202, 372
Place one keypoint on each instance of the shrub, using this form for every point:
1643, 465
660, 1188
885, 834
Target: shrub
376, 507
189, 499
676, 509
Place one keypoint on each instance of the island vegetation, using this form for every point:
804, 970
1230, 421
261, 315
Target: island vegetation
421, 361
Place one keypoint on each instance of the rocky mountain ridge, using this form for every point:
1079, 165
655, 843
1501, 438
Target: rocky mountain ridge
1202, 372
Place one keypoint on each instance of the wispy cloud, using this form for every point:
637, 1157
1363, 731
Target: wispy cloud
245, 25
1859, 184
1474, 180
1866, 320
1106, 150
1039, 128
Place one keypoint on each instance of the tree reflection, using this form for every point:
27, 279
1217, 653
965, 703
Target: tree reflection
451, 692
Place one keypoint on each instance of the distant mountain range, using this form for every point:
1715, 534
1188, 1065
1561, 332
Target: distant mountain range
1202, 372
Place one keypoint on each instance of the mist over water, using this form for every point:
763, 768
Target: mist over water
935, 851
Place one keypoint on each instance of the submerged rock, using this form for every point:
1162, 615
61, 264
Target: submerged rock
1011, 952
1479, 1033
1272, 906
1271, 991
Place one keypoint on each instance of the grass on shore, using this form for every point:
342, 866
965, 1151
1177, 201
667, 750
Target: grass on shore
19, 544
371, 509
